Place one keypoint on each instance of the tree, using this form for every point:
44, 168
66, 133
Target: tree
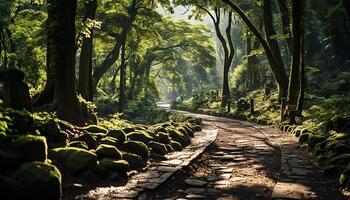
62, 35
277, 70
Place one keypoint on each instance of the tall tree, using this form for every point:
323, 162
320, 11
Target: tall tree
278, 71
85, 62
294, 81
63, 46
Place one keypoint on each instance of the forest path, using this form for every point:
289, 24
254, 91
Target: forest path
248, 161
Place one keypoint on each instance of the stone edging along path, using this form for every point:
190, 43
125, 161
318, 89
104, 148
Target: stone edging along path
157, 172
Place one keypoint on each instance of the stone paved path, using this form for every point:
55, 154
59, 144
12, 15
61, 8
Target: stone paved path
249, 161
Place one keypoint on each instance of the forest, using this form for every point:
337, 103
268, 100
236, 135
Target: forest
174, 99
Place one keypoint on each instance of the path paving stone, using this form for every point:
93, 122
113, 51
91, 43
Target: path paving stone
195, 196
195, 182
195, 190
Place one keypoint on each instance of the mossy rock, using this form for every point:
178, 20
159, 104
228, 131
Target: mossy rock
303, 138
164, 125
50, 129
105, 166
38, 180
108, 151
177, 136
139, 136
62, 139
95, 129
341, 160
183, 131
197, 128
162, 138
7, 186
118, 134
109, 141
169, 148
157, 156
31, 148
135, 161
176, 145
79, 144
188, 130
157, 147
313, 140
89, 139
331, 170
159, 129
321, 159
128, 130
138, 148
76, 161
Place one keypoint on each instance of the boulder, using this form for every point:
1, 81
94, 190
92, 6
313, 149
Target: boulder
31, 148
108, 151
128, 130
79, 144
135, 161
139, 136
138, 148
118, 134
105, 166
89, 139
157, 147
95, 129
76, 161
110, 141
303, 138
176, 145
38, 180
177, 136
313, 140
162, 138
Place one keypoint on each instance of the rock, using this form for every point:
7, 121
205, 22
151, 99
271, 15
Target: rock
79, 144
336, 148
89, 140
118, 134
135, 161
139, 136
195, 196
7, 188
331, 170
184, 131
303, 138
38, 180
313, 140
340, 160
95, 129
162, 138
176, 145
169, 148
31, 148
138, 148
7, 160
177, 136
109, 141
106, 165
195, 182
128, 130
195, 190
157, 147
108, 151
76, 161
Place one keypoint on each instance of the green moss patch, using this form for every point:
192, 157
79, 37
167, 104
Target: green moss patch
31, 148
95, 129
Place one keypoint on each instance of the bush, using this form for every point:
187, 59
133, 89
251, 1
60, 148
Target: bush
37, 180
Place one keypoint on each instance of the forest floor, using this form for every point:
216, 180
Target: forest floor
249, 161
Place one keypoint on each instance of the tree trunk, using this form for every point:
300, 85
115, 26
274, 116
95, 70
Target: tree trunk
278, 71
63, 36
113, 56
112, 85
85, 68
47, 95
122, 80
346, 4
283, 6
302, 63
295, 68
270, 31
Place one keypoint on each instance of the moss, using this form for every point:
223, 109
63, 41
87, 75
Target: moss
128, 130
37, 180
89, 139
313, 140
135, 161
138, 148
110, 141
162, 138
118, 134
76, 161
139, 136
176, 145
105, 166
303, 138
31, 148
79, 144
95, 129
177, 136
157, 147
108, 151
